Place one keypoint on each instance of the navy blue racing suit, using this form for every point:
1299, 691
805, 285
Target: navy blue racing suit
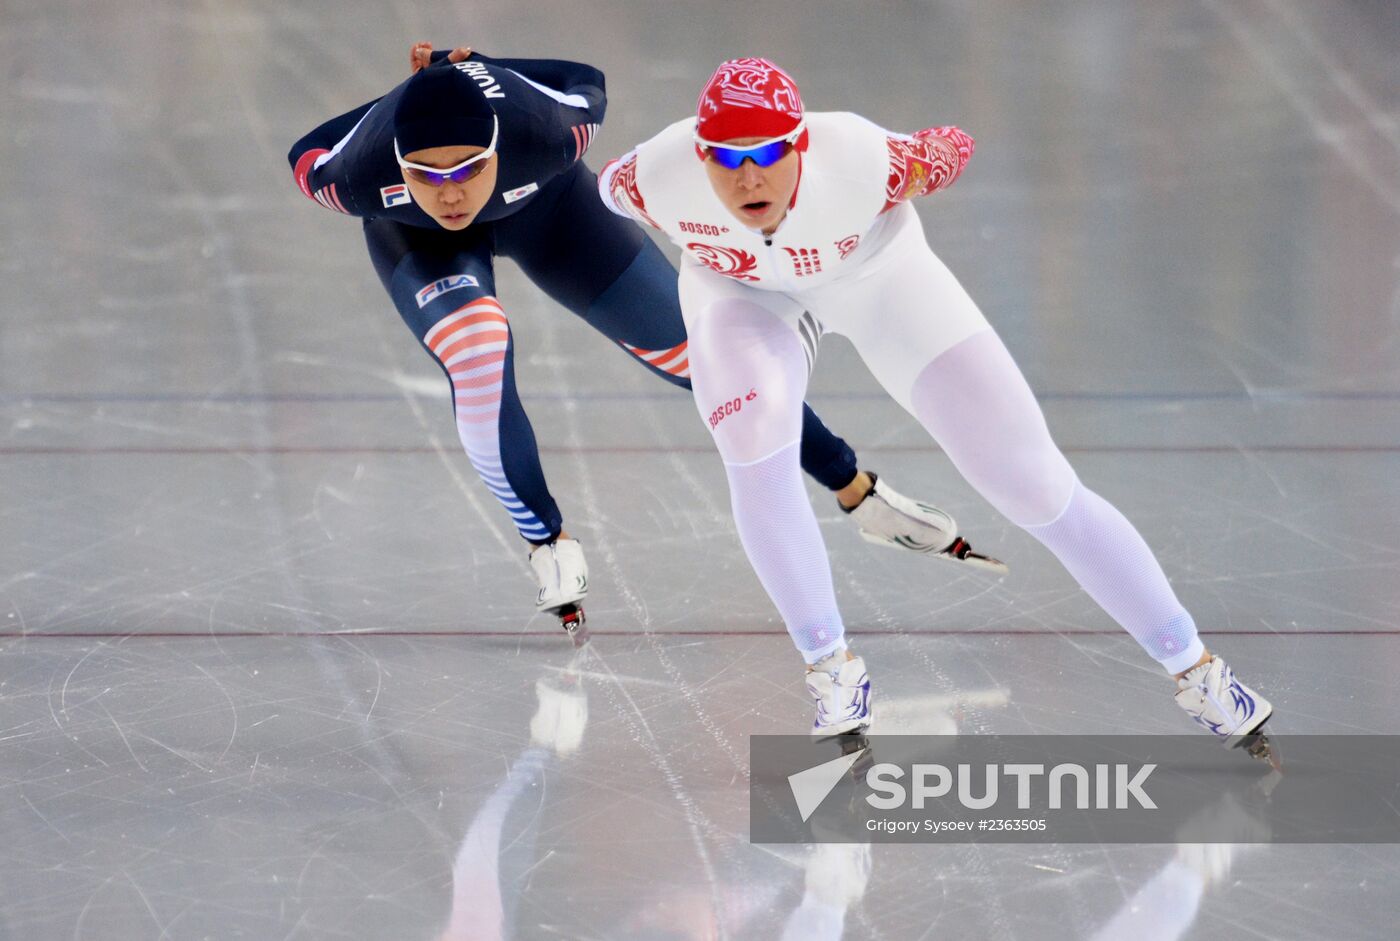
544, 214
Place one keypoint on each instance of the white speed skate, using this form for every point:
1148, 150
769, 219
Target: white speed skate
842, 697
562, 574
889, 518
1212, 695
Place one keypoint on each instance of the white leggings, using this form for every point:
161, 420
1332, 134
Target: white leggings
930, 347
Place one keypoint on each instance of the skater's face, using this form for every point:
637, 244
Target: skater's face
757, 196
452, 205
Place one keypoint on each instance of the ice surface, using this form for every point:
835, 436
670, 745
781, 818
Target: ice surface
269, 667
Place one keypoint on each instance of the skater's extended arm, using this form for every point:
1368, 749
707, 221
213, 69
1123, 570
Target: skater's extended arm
925, 162
317, 160
617, 186
579, 85
421, 55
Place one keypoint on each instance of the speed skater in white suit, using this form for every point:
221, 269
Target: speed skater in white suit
794, 224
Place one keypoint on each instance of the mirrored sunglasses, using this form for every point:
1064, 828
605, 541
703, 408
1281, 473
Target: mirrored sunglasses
460, 173
763, 154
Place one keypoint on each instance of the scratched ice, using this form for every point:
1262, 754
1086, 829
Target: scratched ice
268, 666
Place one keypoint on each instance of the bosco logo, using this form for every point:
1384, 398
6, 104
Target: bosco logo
733, 407
701, 228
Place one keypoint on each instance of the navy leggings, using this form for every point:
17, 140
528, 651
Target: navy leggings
601, 267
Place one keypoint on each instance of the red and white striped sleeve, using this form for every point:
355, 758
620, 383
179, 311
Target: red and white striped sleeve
319, 163
617, 185
924, 162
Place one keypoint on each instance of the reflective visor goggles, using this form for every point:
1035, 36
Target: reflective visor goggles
461, 173
763, 154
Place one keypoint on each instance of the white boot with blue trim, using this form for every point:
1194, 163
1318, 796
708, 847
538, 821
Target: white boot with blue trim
841, 688
1212, 695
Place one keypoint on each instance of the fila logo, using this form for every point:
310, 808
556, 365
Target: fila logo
394, 195
430, 292
805, 261
520, 192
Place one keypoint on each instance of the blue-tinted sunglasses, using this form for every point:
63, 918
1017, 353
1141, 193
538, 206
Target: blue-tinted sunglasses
461, 173
763, 154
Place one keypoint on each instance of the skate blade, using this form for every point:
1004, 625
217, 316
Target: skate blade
843, 736
858, 742
1260, 746
574, 622
978, 561
960, 550
973, 559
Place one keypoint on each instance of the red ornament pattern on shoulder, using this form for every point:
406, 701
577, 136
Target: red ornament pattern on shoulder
731, 262
625, 192
925, 163
959, 138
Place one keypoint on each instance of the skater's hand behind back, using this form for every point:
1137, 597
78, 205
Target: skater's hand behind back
421, 55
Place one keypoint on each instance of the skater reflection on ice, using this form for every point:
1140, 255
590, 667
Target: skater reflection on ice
500, 853
1168, 903
495, 857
